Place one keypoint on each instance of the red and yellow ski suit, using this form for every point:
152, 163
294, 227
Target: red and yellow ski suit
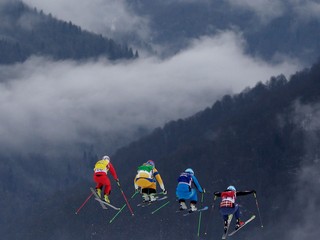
100, 176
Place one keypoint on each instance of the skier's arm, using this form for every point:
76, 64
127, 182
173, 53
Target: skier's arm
247, 192
218, 194
134, 183
113, 172
197, 184
158, 178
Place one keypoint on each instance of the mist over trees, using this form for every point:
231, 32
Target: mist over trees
25, 32
272, 31
265, 138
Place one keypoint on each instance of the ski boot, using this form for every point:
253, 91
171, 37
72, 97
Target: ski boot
183, 206
98, 191
145, 197
193, 207
152, 198
225, 227
106, 198
238, 224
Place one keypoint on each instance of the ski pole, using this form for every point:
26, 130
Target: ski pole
255, 196
84, 203
200, 215
114, 217
125, 198
124, 205
160, 207
212, 208
135, 193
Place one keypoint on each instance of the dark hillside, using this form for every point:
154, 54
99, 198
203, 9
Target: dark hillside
265, 138
252, 140
290, 34
25, 32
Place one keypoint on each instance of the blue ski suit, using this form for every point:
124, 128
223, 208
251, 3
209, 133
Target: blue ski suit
184, 190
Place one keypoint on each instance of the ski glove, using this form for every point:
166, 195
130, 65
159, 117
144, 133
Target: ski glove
118, 182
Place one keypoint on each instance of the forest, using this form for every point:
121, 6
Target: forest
275, 153
26, 32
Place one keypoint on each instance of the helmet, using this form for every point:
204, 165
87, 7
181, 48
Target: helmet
231, 188
150, 162
106, 158
189, 170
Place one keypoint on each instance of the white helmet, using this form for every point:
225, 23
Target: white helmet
232, 188
189, 170
106, 158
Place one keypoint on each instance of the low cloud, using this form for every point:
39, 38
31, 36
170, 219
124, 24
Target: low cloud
267, 10
63, 102
306, 199
307, 9
306, 224
108, 17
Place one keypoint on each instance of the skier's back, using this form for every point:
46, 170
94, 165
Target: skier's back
184, 190
101, 169
146, 179
229, 206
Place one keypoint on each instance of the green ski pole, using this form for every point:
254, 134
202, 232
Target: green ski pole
124, 205
163, 205
111, 220
200, 215
255, 196
136, 192
212, 208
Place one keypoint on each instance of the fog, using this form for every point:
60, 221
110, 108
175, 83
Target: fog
48, 105
66, 101
112, 17
302, 221
107, 17
266, 10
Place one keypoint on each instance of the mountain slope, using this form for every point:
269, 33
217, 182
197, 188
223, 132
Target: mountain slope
271, 31
265, 138
25, 32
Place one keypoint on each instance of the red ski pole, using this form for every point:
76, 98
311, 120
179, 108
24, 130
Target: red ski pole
125, 198
84, 203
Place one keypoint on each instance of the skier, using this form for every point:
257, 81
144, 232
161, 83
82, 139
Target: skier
146, 180
101, 169
229, 206
184, 190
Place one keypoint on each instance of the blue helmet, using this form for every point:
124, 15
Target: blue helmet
231, 188
189, 170
150, 162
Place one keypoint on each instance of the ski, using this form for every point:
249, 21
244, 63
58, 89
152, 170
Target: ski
225, 234
145, 204
96, 196
245, 223
198, 210
102, 203
108, 204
